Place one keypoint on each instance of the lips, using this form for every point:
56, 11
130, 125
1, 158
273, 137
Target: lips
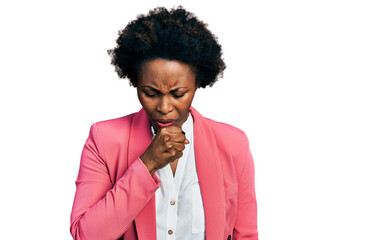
164, 122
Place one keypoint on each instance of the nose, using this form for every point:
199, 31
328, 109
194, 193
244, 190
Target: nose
164, 106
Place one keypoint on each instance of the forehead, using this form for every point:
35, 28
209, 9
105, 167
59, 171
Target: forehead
162, 73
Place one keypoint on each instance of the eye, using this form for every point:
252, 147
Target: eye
177, 95
148, 94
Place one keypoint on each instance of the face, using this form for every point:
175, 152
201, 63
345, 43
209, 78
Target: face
166, 89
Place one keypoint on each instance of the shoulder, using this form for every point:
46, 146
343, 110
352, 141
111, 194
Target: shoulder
115, 123
228, 135
113, 130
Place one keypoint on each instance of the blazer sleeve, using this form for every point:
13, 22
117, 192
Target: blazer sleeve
103, 210
246, 220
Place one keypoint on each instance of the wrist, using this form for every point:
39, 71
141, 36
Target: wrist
150, 164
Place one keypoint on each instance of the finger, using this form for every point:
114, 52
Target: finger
169, 145
173, 129
179, 138
173, 153
179, 147
176, 156
165, 133
179, 155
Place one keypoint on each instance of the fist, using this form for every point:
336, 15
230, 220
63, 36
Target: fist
167, 146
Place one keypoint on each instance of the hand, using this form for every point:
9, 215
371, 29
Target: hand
167, 146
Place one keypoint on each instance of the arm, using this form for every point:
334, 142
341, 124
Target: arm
102, 210
246, 221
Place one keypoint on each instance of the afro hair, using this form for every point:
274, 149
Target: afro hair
172, 35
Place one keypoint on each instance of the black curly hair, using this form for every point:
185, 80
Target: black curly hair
172, 35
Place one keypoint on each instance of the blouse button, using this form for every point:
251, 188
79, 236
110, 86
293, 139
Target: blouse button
172, 202
170, 232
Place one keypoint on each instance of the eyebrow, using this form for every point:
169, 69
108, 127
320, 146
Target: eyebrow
156, 90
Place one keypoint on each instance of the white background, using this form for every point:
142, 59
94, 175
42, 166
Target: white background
300, 82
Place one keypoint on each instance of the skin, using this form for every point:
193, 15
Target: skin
166, 90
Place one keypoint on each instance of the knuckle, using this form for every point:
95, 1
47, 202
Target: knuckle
173, 153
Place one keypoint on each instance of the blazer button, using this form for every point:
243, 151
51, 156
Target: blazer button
170, 232
229, 237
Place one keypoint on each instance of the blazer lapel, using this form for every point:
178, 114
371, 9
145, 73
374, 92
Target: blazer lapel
140, 138
210, 177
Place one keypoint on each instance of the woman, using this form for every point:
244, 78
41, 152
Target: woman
165, 172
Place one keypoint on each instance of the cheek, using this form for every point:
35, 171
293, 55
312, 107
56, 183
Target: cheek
185, 104
146, 103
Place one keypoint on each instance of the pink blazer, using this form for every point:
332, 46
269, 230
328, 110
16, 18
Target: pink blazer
115, 192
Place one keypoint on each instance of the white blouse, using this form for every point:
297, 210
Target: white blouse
179, 207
